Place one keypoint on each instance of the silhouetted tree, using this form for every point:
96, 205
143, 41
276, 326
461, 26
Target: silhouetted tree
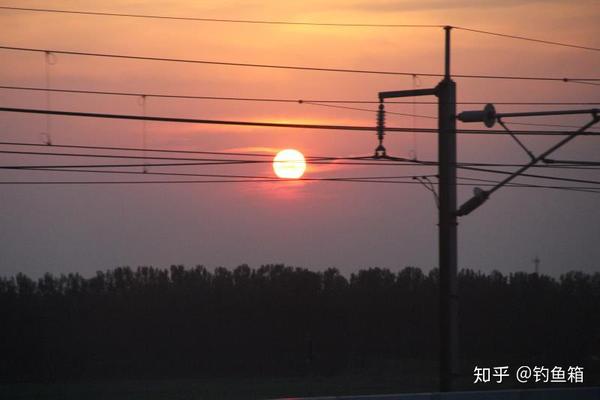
279, 320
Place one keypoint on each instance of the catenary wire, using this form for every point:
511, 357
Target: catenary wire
221, 162
297, 67
130, 157
201, 161
300, 101
464, 178
357, 178
545, 125
360, 160
554, 178
305, 23
583, 82
310, 102
282, 100
258, 162
278, 180
229, 20
313, 103
280, 124
245, 176
380, 179
243, 154
525, 38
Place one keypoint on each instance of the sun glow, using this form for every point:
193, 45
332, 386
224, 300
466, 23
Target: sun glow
289, 164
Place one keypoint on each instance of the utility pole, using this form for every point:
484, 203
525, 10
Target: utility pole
447, 225
447, 217
448, 211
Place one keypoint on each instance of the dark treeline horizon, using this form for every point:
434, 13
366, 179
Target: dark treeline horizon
277, 320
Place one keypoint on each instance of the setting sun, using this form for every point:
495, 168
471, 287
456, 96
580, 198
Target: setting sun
289, 164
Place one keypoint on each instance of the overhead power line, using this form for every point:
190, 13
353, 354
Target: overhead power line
586, 83
265, 158
527, 175
152, 150
241, 180
195, 164
229, 20
79, 168
279, 180
312, 103
301, 23
326, 103
372, 163
300, 101
236, 176
201, 161
280, 100
127, 157
224, 63
268, 158
546, 125
529, 39
571, 162
297, 67
208, 121
275, 124
568, 188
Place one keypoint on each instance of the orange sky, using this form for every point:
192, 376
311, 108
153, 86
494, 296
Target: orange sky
84, 229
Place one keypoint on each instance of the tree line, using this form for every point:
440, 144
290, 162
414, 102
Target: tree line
280, 321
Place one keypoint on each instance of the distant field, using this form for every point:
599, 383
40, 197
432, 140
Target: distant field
412, 377
219, 388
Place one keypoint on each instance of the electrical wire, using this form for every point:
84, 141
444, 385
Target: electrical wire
283, 100
242, 21
365, 161
295, 67
130, 157
137, 149
305, 23
377, 163
310, 102
359, 178
75, 168
254, 178
211, 161
269, 157
362, 161
182, 181
277, 124
554, 178
224, 63
546, 125
529, 39
589, 190
557, 163
366, 109
585, 83
279, 180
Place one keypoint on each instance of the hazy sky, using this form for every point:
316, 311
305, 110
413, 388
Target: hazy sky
311, 224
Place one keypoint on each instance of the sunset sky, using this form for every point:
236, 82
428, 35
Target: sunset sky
85, 228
